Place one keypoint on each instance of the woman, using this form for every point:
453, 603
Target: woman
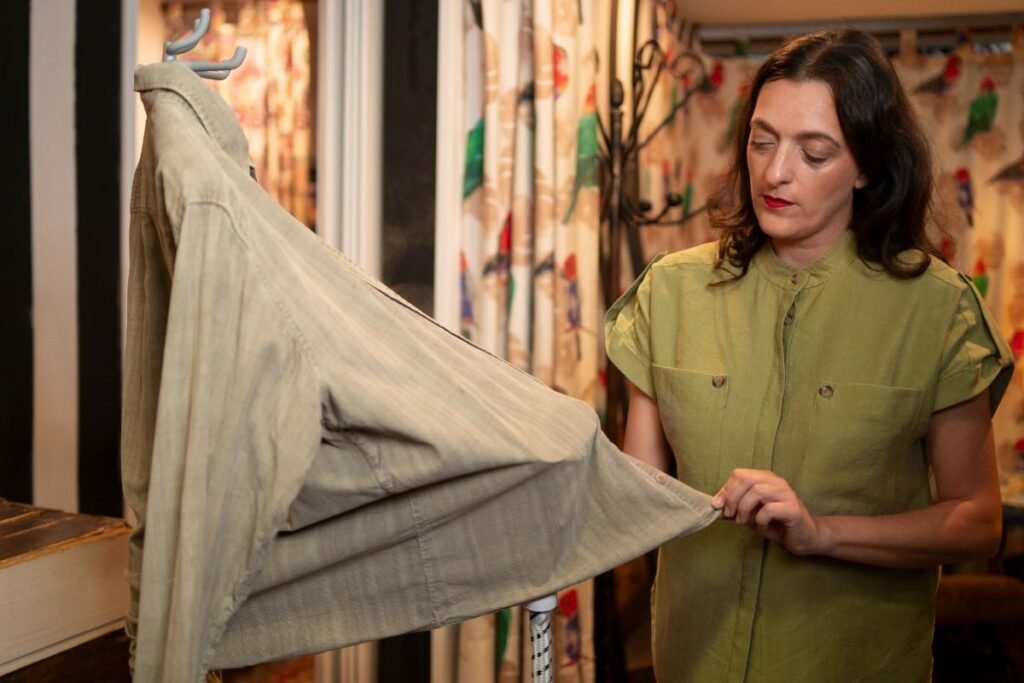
811, 371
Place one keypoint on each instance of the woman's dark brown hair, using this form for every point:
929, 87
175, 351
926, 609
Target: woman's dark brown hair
882, 132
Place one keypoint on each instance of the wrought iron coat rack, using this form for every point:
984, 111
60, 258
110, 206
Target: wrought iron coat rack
622, 208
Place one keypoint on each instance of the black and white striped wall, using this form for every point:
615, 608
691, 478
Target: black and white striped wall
61, 80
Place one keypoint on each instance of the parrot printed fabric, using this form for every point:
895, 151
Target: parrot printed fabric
971, 106
528, 251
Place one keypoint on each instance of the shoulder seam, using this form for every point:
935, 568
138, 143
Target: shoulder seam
959, 285
258, 266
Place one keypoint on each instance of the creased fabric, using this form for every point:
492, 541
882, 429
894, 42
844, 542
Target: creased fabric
312, 461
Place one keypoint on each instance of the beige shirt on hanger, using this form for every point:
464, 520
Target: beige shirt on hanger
313, 461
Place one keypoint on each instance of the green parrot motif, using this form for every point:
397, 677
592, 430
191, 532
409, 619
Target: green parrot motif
502, 625
734, 118
982, 112
687, 198
473, 172
587, 162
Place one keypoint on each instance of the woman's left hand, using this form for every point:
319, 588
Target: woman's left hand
767, 504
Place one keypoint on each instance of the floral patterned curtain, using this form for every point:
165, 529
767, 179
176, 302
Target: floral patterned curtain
270, 92
529, 252
971, 107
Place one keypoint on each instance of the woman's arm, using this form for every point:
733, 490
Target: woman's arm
964, 523
645, 439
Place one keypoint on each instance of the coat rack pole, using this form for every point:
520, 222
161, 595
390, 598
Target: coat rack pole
615, 393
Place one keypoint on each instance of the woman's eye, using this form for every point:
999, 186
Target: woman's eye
814, 159
760, 144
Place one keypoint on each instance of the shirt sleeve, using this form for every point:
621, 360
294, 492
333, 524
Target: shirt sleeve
236, 424
975, 356
627, 331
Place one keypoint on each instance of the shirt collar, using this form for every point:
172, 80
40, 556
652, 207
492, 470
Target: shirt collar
210, 108
779, 273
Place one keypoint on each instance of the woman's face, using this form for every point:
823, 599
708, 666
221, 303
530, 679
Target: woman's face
802, 175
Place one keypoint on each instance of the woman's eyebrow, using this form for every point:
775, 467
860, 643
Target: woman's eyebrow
802, 136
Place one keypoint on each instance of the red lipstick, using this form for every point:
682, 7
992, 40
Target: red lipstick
775, 202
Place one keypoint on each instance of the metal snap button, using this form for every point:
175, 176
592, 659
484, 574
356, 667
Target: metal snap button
825, 391
795, 279
718, 381
788, 319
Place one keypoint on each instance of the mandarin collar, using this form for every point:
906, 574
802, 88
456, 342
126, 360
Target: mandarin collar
833, 262
210, 108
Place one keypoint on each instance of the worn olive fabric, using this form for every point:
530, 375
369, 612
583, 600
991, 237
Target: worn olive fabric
826, 376
312, 461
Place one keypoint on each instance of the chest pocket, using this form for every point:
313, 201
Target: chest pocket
692, 406
860, 457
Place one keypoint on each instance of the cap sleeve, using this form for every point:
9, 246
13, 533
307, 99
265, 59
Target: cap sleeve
627, 331
975, 356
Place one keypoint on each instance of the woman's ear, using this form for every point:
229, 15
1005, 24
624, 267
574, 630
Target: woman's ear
860, 182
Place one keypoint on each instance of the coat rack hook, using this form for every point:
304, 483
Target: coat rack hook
200, 27
227, 65
214, 70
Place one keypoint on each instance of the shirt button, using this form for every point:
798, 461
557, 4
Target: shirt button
788, 319
718, 381
795, 279
825, 391
660, 478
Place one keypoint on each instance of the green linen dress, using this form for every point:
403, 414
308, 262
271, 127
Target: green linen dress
827, 376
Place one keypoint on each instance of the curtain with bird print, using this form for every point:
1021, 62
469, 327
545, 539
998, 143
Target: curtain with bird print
528, 253
971, 106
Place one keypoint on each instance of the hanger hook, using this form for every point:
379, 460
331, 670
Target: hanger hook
207, 69
200, 27
215, 70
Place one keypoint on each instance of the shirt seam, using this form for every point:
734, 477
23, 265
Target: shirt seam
628, 343
975, 367
426, 562
960, 286
272, 292
958, 314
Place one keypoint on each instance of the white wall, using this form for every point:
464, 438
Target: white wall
781, 11
54, 265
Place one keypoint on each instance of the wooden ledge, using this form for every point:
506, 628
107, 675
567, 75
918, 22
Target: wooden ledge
61, 581
28, 532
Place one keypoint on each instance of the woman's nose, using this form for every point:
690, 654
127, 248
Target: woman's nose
780, 167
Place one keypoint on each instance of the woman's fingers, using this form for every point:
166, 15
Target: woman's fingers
768, 505
771, 512
732, 491
745, 490
757, 495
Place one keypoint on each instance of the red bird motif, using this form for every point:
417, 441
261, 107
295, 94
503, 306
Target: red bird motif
941, 83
